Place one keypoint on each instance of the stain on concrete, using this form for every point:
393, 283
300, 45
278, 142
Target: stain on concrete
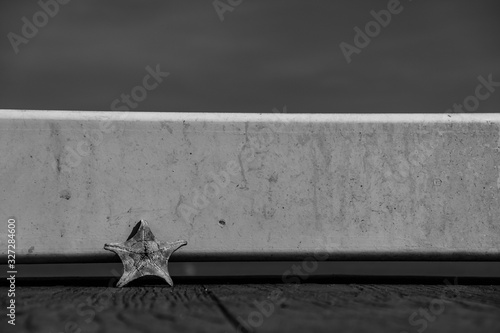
56, 146
273, 178
164, 125
268, 211
185, 128
303, 139
54, 129
242, 170
65, 194
31, 249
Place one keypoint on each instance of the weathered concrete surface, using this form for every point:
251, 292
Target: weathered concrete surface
344, 184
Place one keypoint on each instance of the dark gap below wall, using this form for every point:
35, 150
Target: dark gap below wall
279, 272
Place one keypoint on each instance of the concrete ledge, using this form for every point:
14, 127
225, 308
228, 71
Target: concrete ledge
250, 186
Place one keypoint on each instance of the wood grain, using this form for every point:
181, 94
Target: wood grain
232, 308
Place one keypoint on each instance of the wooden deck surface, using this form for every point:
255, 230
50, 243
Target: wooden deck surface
311, 307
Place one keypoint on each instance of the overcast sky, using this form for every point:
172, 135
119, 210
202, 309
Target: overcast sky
264, 54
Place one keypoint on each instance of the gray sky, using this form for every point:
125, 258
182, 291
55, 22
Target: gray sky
264, 54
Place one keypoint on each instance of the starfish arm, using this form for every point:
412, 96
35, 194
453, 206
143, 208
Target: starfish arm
167, 278
169, 248
133, 268
117, 247
161, 270
128, 276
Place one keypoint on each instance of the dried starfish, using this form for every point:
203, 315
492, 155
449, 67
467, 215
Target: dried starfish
142, 255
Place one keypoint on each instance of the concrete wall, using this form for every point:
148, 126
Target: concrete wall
239, 186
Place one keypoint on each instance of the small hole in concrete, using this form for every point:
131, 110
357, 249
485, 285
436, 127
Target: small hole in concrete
65, 194
222, 223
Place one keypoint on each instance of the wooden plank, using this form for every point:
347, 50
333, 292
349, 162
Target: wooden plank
363, 308
101, 309
235, 308
373, 186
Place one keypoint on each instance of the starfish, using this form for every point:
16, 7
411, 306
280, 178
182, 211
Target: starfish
142, 255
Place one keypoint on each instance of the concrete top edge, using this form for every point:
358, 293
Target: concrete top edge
252, 117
